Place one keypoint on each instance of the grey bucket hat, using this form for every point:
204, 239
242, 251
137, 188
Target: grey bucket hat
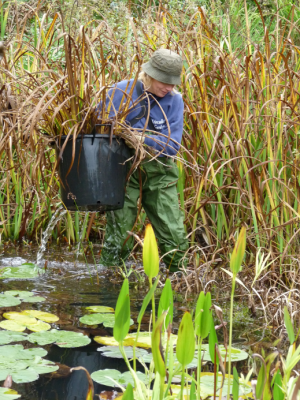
164, 66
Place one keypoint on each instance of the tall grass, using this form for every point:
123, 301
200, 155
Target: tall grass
239, 159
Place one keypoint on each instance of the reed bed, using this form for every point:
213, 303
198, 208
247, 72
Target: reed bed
239, 159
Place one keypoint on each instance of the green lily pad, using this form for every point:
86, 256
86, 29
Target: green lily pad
7, 300
105, 376
33, 299
24, 365
10, 299
100, 309
236, 354
108, 320
8, 394
24, 271
20, 293
114, 352
60, 338
9, 336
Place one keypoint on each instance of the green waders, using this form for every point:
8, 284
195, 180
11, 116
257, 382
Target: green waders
160, 202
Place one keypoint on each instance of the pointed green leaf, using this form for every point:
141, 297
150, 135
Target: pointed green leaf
235, 385
238, 252
193, 395
150, 253
185, 348
122, 321
199, 313
261, 380
289, 326
206, 317
157, 346
212, 341
122, 295
166, 303
146, 301
278, 394
128, 394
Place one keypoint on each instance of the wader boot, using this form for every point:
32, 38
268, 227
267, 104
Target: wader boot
160, 202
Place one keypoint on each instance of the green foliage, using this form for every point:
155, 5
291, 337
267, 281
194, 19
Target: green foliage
122, 315
185, 348
166, 303
65, 339
23, 365
289, 326
24, 271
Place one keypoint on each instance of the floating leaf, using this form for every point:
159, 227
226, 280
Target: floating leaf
114, 352
39, 326
24, 271
10, 336
108, 376
144, 340
207, 385
19, 317
108, 320
100, 309
7, 300
236, 354
8, 394
12, 326
20, 293
24, 365
43, 316
64, 339
33, 299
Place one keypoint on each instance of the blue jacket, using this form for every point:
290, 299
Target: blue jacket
172, 104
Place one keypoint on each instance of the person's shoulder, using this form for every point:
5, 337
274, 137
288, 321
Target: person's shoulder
176, 97
123, 84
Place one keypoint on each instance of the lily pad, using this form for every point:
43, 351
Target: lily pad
106, 377
25, 296
144, 340
19, 321
114, 352
24, 365
12, 298
9, 336
8, 394
60, 338
20, 293
8, 301
236, 354
108, 320
24, 271
100, 309
12, 326
43, 316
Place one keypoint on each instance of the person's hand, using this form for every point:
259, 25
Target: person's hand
137, 137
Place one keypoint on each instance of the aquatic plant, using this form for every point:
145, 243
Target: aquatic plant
24, 365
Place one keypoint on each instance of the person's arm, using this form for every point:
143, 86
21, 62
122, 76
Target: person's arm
171, 145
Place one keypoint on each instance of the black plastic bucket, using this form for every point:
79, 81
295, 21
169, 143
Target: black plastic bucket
97, 179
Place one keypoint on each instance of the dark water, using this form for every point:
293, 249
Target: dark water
69, 286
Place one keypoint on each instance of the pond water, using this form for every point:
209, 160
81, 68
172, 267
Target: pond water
69, 285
